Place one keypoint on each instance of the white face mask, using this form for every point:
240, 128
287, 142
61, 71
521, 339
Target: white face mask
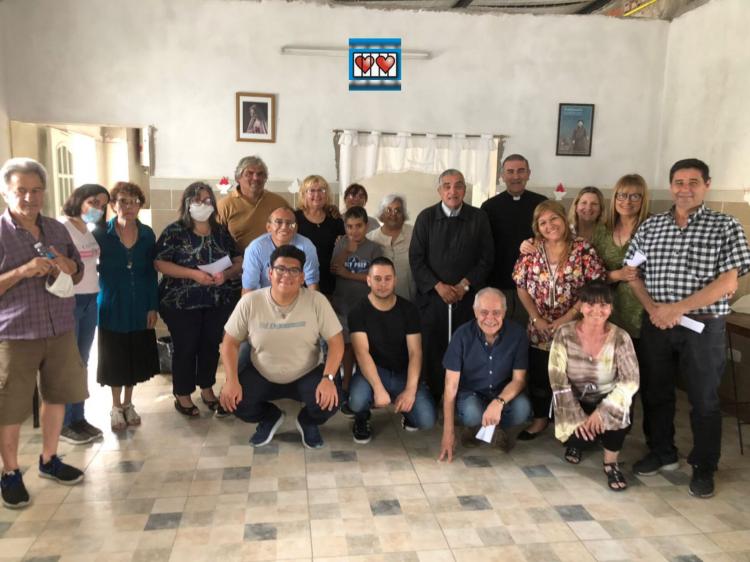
62, 286
200, 212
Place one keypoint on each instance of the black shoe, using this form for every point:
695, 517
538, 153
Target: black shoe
60, 472
361, 431
265, 429
310, 435
652, 464
702, 483
527, 435
220, 412
15, 495
74, 436
84, 426
346, 410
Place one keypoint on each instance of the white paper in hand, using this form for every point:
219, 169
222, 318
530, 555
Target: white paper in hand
637, 259
485, 433
217, 266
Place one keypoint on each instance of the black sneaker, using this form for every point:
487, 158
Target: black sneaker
346, 410
75, 437
407, 426
84, 426
361, 431
15, 495
652, 464
60, 472
702, 483
220, 412
265, 429
310, 435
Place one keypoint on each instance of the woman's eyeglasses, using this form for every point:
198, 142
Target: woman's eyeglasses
633, 197
129, 202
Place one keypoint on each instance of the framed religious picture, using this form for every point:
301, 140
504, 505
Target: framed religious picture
256, 117
575, 127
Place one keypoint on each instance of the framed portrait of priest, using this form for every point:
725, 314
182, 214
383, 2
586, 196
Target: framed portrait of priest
575, 127
256, 117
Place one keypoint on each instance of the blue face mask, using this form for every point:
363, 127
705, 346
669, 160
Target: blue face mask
92, 215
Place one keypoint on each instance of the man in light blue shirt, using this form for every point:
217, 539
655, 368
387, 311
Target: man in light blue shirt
281, 230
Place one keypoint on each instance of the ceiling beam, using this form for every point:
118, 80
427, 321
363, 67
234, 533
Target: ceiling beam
462, 3
593, 6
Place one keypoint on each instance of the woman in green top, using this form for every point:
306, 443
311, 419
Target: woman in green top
628, 209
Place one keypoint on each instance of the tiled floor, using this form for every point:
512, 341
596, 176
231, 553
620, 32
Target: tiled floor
190, 490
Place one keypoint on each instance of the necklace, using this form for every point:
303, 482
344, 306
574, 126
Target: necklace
283, 310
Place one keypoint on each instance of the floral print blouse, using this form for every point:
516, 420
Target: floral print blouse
555, 292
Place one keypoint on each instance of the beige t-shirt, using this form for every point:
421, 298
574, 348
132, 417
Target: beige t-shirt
285, 345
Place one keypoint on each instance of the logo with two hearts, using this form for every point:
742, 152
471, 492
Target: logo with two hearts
374, 64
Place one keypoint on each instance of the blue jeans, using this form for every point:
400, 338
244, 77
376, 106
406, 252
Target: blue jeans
85, 315
361, 397
470, 407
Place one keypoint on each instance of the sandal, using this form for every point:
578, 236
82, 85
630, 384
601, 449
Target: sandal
131, 416
211, 404
189, 411
573, 455
118, 419
615, 478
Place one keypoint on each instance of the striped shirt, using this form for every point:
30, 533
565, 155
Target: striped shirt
682, 261
27, 310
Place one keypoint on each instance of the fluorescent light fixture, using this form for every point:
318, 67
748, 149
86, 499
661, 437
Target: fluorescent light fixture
308, 51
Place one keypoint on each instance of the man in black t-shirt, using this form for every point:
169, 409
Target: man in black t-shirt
386, 338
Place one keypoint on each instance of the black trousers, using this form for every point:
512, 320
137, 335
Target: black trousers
611, 440
257, 391
434, 316
540, 390
701, 360
196, 335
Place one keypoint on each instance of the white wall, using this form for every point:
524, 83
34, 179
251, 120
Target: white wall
177, 65
707, 88
4, 122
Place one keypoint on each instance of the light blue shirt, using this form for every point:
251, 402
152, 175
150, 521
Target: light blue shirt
256, 263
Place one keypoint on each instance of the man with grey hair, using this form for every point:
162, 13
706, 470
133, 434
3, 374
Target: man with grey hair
510, 214
39, 265
451, 255
245, 211
485, 374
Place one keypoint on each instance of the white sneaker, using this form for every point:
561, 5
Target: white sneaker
117, 419
131, 416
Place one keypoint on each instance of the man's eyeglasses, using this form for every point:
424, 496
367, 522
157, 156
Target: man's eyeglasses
278, 223
284, 270
634, 197
129, 202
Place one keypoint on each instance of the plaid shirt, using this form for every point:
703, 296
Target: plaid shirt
681, 261
27, 310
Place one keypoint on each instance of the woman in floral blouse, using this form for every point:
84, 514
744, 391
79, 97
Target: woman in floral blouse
594, 375
196, 304
548, 281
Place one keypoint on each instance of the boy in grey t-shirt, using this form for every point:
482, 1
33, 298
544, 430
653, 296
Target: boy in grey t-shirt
351, 260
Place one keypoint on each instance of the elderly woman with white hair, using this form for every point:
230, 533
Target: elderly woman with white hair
394, 237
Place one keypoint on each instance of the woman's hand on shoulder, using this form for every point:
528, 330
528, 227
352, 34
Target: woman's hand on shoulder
528, 247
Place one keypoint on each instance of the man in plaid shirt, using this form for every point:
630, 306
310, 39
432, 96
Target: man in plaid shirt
694, 257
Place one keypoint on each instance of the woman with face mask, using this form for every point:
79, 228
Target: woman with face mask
194, 303
84, 209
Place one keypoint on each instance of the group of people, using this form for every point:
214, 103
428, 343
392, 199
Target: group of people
413, 317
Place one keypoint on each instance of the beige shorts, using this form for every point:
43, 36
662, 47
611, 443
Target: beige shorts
62, 374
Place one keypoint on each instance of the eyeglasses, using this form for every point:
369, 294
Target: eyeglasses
633, 197
321, 191
128, 202
21, 192
394, 211
251, 173
284, 270
278, 223
206, 201
494, 313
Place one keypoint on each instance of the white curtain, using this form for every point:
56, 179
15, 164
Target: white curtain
363, 155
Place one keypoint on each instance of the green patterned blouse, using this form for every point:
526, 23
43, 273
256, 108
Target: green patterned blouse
626, 310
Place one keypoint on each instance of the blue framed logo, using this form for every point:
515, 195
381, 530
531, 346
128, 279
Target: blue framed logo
374, 64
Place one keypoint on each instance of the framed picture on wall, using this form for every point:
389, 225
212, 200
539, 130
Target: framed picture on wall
256, 117
575, 128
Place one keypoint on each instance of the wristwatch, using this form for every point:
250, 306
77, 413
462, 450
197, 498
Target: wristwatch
465, 287
329, 376
501, 400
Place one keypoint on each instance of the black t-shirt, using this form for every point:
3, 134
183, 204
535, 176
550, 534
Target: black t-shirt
386, 331
323, 236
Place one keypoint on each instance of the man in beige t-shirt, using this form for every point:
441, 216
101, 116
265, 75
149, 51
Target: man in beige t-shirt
245, 210
283, 324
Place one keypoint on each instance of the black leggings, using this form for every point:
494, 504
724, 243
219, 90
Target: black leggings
540, 390
612, 440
